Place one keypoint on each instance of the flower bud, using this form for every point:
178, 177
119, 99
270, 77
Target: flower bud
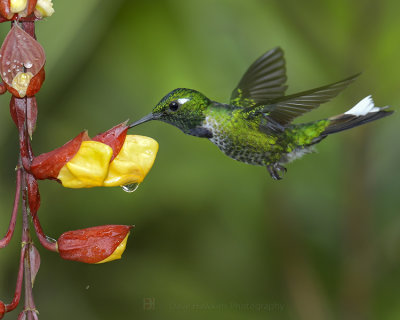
94, 245
22, 61
110, 159
2, 309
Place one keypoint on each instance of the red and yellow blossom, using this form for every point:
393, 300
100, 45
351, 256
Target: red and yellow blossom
112, 158
94, 245
28, 10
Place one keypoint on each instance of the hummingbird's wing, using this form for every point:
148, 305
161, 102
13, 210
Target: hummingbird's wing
283, 110
263, 81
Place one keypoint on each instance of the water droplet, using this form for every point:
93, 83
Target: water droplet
28, 64
9, 70
51, 239
4, 73
130, 187
8, 63
23, 38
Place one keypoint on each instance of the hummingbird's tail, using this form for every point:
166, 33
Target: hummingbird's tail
363, 112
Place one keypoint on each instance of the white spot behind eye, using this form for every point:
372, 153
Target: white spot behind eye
183, 100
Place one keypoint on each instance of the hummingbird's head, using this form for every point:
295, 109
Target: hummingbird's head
183, 108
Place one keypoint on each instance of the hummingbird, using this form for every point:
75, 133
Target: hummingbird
256, 126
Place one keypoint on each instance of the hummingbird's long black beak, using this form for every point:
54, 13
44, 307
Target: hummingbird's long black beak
143, 120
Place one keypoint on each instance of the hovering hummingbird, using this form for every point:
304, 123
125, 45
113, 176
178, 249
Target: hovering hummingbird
256, 126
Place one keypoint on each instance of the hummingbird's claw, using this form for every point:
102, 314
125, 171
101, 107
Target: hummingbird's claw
276, 171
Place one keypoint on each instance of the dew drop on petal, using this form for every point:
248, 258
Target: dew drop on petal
4, 73
132, 187
28, 64
8, 63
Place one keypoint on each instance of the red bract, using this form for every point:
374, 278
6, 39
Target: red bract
21, 63
91, 245
5, 9
2, 309
114, 137
48, 165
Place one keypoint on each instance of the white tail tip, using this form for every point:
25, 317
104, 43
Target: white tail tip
364, 107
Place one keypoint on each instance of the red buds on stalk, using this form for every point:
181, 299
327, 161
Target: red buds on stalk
95, 244
112, 158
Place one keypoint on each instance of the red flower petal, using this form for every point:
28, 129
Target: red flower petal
5, 9
2, 309
93, 244
30, 7
20, 51
114, 137
48, 165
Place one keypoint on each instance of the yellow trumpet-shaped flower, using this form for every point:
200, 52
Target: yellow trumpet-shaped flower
133, 162
88, 168
17, 5
91, 166
44, 8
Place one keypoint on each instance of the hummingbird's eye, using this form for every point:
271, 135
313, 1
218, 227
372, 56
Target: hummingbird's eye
173, 106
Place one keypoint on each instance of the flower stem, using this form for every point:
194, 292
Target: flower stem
4, 242
26, 242
17, 295
43, 239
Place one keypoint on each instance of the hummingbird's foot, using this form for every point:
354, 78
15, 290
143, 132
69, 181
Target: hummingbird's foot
276, 171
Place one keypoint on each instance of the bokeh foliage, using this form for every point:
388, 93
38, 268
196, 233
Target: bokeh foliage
213, 235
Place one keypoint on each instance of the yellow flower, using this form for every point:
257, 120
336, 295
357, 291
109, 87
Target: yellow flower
133, 162
44, 8
91, 166
17, 6
21, 82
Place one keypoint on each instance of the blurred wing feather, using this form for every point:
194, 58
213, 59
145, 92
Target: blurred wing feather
263, 81
284, 110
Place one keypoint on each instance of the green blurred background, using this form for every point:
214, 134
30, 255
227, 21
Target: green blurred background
215, 238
